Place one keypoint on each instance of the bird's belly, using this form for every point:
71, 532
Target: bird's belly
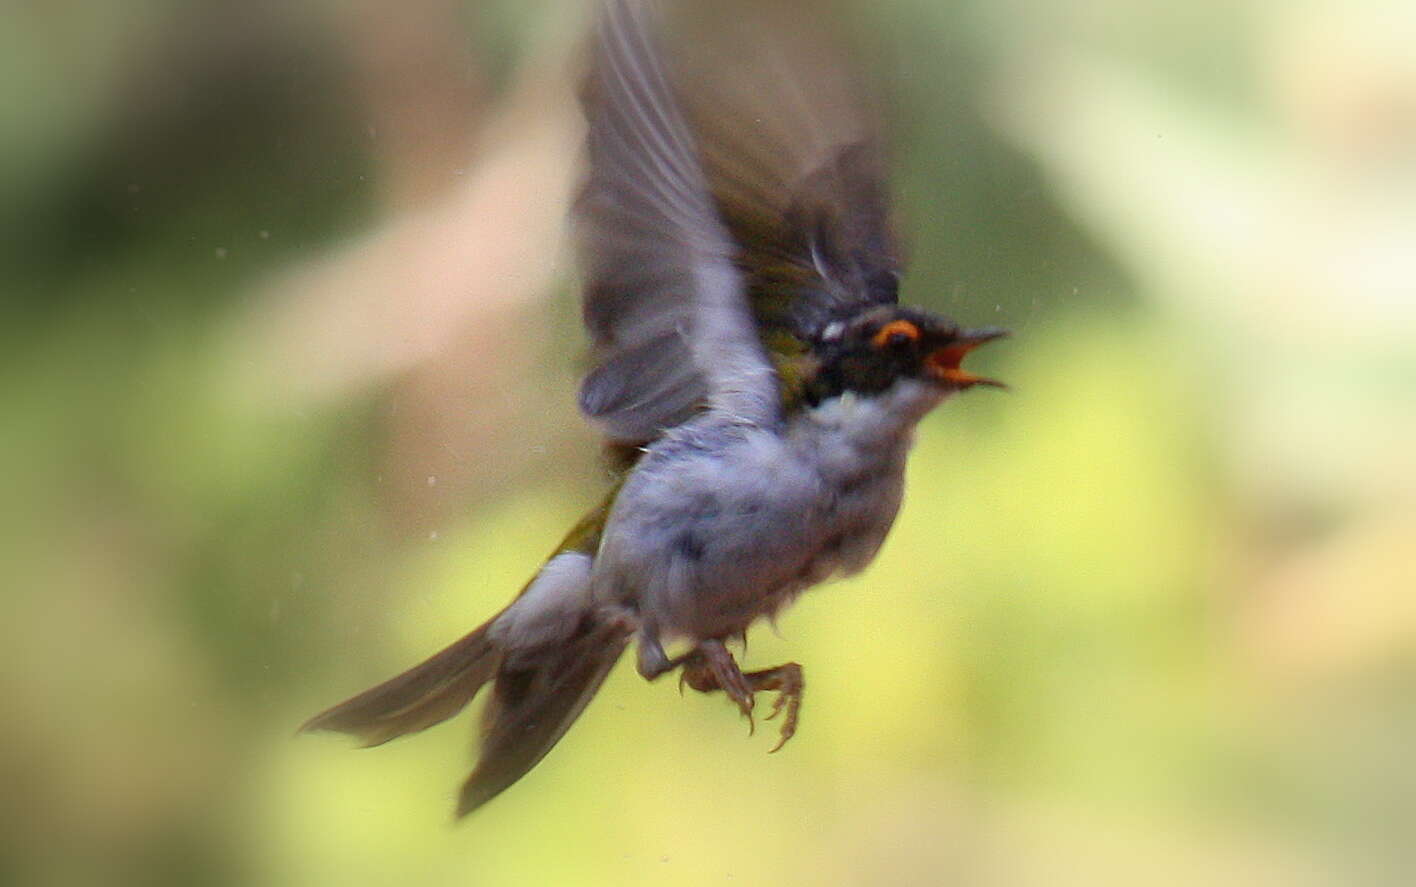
719, 526
776, 560
719, 542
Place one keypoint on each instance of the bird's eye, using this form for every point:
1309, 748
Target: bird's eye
894, 334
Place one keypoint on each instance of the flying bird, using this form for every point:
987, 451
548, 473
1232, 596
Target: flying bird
751, 367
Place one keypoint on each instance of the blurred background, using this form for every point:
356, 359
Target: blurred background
288, 352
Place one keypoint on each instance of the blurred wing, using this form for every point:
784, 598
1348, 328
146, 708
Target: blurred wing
793, 159
664, 301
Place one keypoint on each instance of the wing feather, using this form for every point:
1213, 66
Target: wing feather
792, 152
664, 301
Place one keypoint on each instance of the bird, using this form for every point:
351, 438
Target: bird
754, 374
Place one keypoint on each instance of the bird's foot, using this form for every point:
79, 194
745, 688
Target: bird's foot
787, 681
711, 667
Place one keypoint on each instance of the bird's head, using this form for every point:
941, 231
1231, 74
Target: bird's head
869, 353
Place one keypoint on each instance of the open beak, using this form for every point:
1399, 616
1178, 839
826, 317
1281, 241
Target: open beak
945, 363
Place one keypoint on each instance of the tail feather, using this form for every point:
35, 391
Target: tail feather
538, 694
425, 695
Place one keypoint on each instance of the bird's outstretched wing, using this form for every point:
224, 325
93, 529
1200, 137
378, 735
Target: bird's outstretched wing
736, 193
793, 156
664, 301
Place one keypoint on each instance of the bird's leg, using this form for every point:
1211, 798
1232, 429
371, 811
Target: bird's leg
711, 667
653, 661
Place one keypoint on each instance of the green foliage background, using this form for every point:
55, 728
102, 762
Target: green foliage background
287, 361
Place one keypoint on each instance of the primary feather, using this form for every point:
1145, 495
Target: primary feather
664, 301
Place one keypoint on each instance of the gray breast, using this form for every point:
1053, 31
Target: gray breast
721, 524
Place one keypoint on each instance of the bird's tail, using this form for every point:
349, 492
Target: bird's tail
541, 682
537, 695
424, 695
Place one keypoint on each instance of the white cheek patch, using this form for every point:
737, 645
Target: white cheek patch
551, 605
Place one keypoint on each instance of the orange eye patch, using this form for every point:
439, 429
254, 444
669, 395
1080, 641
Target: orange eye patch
896, 332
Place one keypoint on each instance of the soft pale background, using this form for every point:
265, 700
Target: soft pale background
289, 349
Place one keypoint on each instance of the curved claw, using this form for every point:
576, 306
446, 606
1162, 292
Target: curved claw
746, 700
777, 706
